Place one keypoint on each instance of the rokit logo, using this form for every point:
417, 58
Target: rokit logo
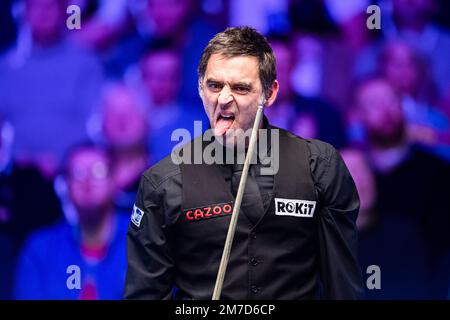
294, 208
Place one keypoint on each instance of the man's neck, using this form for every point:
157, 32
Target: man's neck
99, 234
46, 42
128, 165
239, 153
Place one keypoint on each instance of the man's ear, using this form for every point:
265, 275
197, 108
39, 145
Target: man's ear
200, 88
273, 92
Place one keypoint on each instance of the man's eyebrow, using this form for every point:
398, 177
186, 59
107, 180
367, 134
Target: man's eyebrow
233, 84
242, 84
209, 80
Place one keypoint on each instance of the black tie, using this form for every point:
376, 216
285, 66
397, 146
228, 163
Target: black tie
252, 205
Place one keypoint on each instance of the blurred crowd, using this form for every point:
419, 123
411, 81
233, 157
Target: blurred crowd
84, 112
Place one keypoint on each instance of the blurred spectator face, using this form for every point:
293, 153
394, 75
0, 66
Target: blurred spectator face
45, 19
401, 68
284, 64
169, 16
161, 76
124, 119
381, 113
89, 181
305, 125
363, 177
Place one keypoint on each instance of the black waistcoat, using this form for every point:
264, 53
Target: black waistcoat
274, 259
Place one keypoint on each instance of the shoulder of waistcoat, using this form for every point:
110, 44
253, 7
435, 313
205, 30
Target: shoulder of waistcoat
161, 172
318, 149
321, 156
322, 160
168, 167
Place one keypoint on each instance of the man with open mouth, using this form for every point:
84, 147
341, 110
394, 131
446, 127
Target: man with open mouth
295, 236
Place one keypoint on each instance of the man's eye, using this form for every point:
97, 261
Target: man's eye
241, 89
214, 86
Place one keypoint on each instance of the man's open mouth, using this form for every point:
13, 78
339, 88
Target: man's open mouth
223, 123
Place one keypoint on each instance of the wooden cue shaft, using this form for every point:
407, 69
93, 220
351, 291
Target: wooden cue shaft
234, 216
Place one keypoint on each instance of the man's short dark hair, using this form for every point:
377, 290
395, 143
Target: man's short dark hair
242, 41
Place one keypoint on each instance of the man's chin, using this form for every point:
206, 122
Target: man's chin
225, 140
91, 206
233, 138
230, 141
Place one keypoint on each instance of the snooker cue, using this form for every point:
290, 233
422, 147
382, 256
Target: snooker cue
234, 216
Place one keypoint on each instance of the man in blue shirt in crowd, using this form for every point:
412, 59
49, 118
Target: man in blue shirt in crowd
82, 261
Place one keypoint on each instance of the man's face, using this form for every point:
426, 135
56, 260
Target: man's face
45, 18
124, 123
231, 92
401, 69
169, 16
381, 113
89, 182
161, 76
284, 66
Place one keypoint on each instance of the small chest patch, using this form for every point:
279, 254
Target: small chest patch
294, 208
208, 212
137, 215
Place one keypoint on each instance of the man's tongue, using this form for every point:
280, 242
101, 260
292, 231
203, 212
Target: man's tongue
223, 125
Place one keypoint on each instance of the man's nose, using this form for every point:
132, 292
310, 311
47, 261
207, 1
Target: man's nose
225, 96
